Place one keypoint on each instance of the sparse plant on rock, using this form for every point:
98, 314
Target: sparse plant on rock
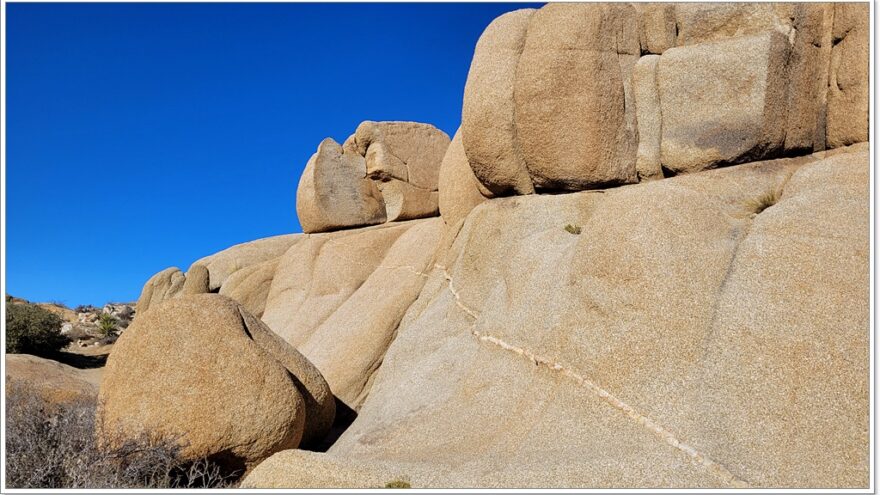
33, 330
765, 201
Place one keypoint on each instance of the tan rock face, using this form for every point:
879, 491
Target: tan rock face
200, 369
412, 148
488, 125
334, 192
460, 191
552, 101
225, 263
722, 102
209, 274
848, 86
160, 287
643, 365
339, 297
54, 381
647, 100
569, 96
250, 286
197, 280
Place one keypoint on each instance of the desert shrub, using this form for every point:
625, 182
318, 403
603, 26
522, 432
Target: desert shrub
573, 229
398, 484
33, 330
765, 200
53, 446
107, 324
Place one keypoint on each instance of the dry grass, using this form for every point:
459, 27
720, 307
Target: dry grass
764, 201
53, 446
573, 229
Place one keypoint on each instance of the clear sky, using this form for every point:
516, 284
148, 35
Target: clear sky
143, 136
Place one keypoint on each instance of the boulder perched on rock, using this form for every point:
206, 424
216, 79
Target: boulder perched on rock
570, 96
722, 102
334, 191
552, 100
488, 124
848, 86
407, 151
203, 371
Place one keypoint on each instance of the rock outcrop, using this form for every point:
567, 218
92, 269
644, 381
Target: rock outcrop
55, 382
650, 269
339, 297
384, 172
696, 340
582, 96
334, 191
201, 370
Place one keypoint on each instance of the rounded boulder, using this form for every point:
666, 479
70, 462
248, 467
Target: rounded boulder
201, 370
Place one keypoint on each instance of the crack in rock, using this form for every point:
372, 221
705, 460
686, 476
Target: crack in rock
667, 436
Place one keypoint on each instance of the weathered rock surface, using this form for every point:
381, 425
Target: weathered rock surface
723, 102
250, 286
647, 100
54, 381
208, 274
313, 470
334, 191
488, 125
160, 287
338, 297
551, 97
643, 364
202, 370
197, 280
404, 201
407, 151
460, 191
848, 90
569, 96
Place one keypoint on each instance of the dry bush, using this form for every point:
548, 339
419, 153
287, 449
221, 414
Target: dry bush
53, 446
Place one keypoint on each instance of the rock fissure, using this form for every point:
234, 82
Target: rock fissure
702, 459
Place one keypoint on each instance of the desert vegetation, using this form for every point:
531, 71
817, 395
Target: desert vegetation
33, 330
53, 445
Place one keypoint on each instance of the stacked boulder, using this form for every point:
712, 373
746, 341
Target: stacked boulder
583, 96
384, 172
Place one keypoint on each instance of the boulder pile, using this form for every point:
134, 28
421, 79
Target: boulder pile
650, 269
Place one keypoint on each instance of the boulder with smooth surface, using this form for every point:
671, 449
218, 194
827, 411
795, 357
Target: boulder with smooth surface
201, 370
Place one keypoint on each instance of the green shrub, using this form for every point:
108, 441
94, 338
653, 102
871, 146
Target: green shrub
398, 484
31, 329
573, 229
107, 324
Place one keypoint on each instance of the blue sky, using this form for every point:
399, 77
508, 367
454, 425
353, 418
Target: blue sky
142, 136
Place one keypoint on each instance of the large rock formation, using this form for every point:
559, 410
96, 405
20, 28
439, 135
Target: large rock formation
553, 101
694, 340
339, 297
201, 370
705, 330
